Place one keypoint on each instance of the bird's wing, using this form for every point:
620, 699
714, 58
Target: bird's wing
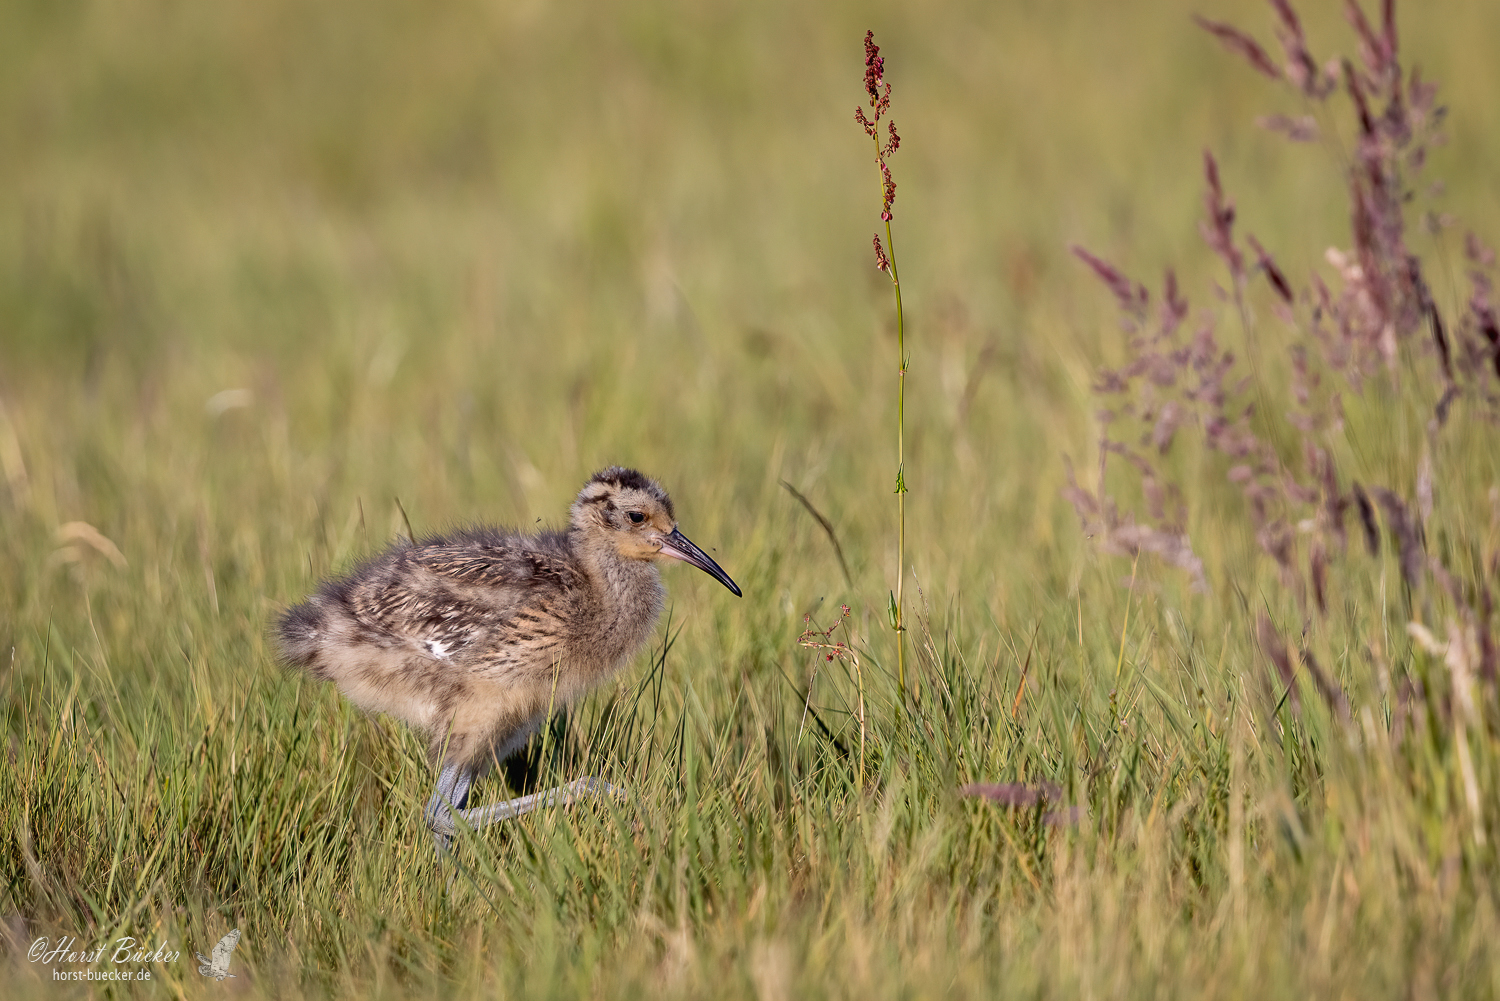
507, 567
225, 947
439, 596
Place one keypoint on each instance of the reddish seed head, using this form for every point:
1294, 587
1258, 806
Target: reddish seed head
1218, 229
875, 85
880, 102
1239, 42
1273, 273
874, 72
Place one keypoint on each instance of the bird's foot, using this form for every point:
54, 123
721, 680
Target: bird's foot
443, 815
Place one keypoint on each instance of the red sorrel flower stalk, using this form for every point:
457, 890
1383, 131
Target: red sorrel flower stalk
885, 259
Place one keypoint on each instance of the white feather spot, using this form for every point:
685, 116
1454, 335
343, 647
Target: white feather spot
437, 649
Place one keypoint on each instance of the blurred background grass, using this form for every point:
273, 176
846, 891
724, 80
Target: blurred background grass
266, 267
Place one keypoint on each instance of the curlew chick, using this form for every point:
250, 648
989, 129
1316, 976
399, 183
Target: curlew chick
474, 636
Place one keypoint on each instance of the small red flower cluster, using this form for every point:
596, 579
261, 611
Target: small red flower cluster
822, 639
880, 104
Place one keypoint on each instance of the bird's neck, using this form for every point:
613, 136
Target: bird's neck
630, 589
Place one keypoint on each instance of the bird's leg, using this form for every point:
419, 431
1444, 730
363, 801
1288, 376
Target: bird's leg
452, 795
449, 798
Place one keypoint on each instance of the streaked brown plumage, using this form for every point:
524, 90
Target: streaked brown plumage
471, 637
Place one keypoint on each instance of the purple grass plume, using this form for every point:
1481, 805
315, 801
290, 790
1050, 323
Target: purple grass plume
1379, 320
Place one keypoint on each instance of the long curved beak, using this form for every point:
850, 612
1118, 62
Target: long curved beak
679, 547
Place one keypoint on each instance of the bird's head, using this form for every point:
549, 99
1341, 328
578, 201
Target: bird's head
632, 514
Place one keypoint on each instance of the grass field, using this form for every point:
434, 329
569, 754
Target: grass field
277, 277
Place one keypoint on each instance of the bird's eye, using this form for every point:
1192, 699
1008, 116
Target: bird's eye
636, 517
